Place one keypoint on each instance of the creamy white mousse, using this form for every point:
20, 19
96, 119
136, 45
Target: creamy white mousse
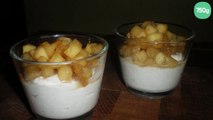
51, 98
150, 79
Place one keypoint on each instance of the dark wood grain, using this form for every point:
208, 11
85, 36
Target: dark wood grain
192, 99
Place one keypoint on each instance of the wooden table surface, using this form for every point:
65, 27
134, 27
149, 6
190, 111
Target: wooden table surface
192, 99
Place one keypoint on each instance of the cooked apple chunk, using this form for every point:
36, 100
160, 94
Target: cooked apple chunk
49, 48
65, 73
31, 72
47, 71
93, 48
28, 48
56, 58
152, 44
61, 50
74, 48
40, 52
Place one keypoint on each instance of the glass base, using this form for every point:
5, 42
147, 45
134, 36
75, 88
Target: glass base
85, 116
150, 95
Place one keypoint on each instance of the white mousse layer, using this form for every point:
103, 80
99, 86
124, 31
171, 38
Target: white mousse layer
150, 79
52, 99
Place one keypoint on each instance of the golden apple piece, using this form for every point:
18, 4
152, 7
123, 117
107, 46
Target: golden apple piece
64, 40
155, 37
150, 29
152, 52
139, 57
31, 72
162, 28
93, 48
49, 48
85, 75
74, 48
56, 58
28, 47
47, 71
160, 59
65, 73
42, 59
40, 52
82, 73
81, 55
27, 56
137, 32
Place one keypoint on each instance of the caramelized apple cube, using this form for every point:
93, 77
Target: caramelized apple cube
40, 52
86, 73
56, 58
82, 54
28, 47
152, 52
162, 28
42, 59
93, 48
31, 72
49, 48
47, 71
65, 73
139, 57
160, 59
74, 48
137, 32
155, 37
27, 56
150, 29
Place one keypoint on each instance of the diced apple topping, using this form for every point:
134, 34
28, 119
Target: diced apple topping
152, 44
61, 50
65, 73
28, 47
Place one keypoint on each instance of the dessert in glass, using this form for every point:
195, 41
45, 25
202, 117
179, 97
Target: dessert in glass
153, 56
61, 73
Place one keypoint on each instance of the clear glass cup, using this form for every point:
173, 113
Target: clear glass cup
51, 98
148, 79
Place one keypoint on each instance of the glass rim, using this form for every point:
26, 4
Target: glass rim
189, 38
105, 48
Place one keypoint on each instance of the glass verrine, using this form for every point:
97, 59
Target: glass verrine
153, 56
61, 87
